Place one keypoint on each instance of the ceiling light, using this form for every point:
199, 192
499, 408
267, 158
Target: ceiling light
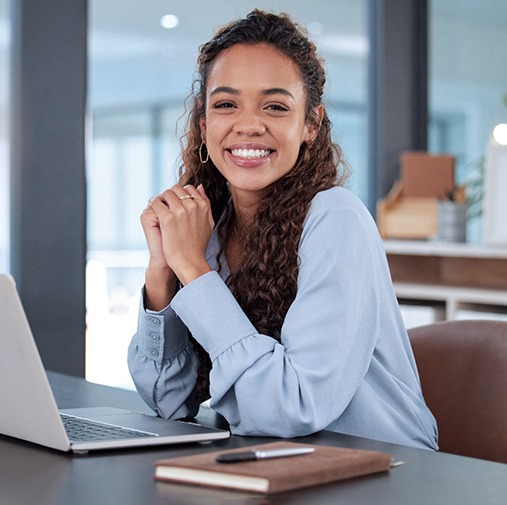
500, 134
169, 21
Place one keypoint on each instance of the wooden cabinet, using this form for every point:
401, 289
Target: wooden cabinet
455, 277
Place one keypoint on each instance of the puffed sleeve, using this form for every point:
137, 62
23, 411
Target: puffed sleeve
162, 363
305, 382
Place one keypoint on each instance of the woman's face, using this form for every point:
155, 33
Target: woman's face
255, 121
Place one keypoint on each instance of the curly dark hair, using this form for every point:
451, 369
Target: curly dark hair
265, 284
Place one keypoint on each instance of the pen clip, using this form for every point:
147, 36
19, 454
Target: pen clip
236, 457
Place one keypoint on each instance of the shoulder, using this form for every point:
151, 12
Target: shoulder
338, 220
338, 205
335, 199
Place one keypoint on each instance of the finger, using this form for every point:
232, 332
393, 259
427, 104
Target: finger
149, 217
180, 190
158, 204
148, 210
177, 195
192, 191
202, 192
198, 194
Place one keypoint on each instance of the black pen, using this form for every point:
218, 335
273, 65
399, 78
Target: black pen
253, 455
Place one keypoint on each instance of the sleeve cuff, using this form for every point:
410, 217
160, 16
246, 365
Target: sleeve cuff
161, 335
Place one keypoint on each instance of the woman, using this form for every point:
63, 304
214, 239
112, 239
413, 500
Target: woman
283, 313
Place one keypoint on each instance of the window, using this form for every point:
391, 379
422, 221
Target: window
140, 73
467, 83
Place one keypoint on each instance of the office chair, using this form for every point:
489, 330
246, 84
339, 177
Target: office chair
463, 371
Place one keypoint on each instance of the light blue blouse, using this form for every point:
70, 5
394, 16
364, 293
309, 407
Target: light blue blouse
344, 362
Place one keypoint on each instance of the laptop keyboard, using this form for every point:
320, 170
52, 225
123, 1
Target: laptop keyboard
85, 430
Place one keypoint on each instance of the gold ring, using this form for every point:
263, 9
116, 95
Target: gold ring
186, 197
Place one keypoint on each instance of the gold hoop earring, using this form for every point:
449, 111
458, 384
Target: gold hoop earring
203, 161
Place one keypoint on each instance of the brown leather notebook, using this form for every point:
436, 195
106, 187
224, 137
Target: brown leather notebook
267, 476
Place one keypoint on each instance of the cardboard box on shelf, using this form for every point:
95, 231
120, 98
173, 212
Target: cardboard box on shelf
410, 210
401, 217
427, 175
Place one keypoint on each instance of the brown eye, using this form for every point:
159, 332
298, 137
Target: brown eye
277, 107
224, 105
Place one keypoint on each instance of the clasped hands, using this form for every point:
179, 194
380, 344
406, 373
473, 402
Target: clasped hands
177, 225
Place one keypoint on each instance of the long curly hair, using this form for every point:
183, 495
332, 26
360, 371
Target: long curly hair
265, 284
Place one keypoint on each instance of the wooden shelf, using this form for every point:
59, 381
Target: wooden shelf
453, 298
445, 249
457, 276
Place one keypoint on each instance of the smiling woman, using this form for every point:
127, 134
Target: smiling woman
267, 288
139, 74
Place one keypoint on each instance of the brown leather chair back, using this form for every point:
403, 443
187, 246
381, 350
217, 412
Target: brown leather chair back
463, 371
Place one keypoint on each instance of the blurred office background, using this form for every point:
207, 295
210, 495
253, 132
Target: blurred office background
141, 59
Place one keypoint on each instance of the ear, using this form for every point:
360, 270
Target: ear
202, 126
314, 125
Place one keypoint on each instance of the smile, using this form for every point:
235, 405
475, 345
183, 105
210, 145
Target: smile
251, 153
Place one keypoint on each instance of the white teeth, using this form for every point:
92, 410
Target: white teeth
250, 153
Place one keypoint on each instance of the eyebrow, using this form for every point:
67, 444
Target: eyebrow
266, 92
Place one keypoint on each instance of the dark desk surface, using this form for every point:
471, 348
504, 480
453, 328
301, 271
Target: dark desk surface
30, 474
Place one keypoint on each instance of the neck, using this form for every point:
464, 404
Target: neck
245, 210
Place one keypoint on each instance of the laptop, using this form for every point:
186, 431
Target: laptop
28, 409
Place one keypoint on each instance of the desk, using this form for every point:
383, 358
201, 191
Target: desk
30, 474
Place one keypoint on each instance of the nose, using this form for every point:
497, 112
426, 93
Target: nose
249, 123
